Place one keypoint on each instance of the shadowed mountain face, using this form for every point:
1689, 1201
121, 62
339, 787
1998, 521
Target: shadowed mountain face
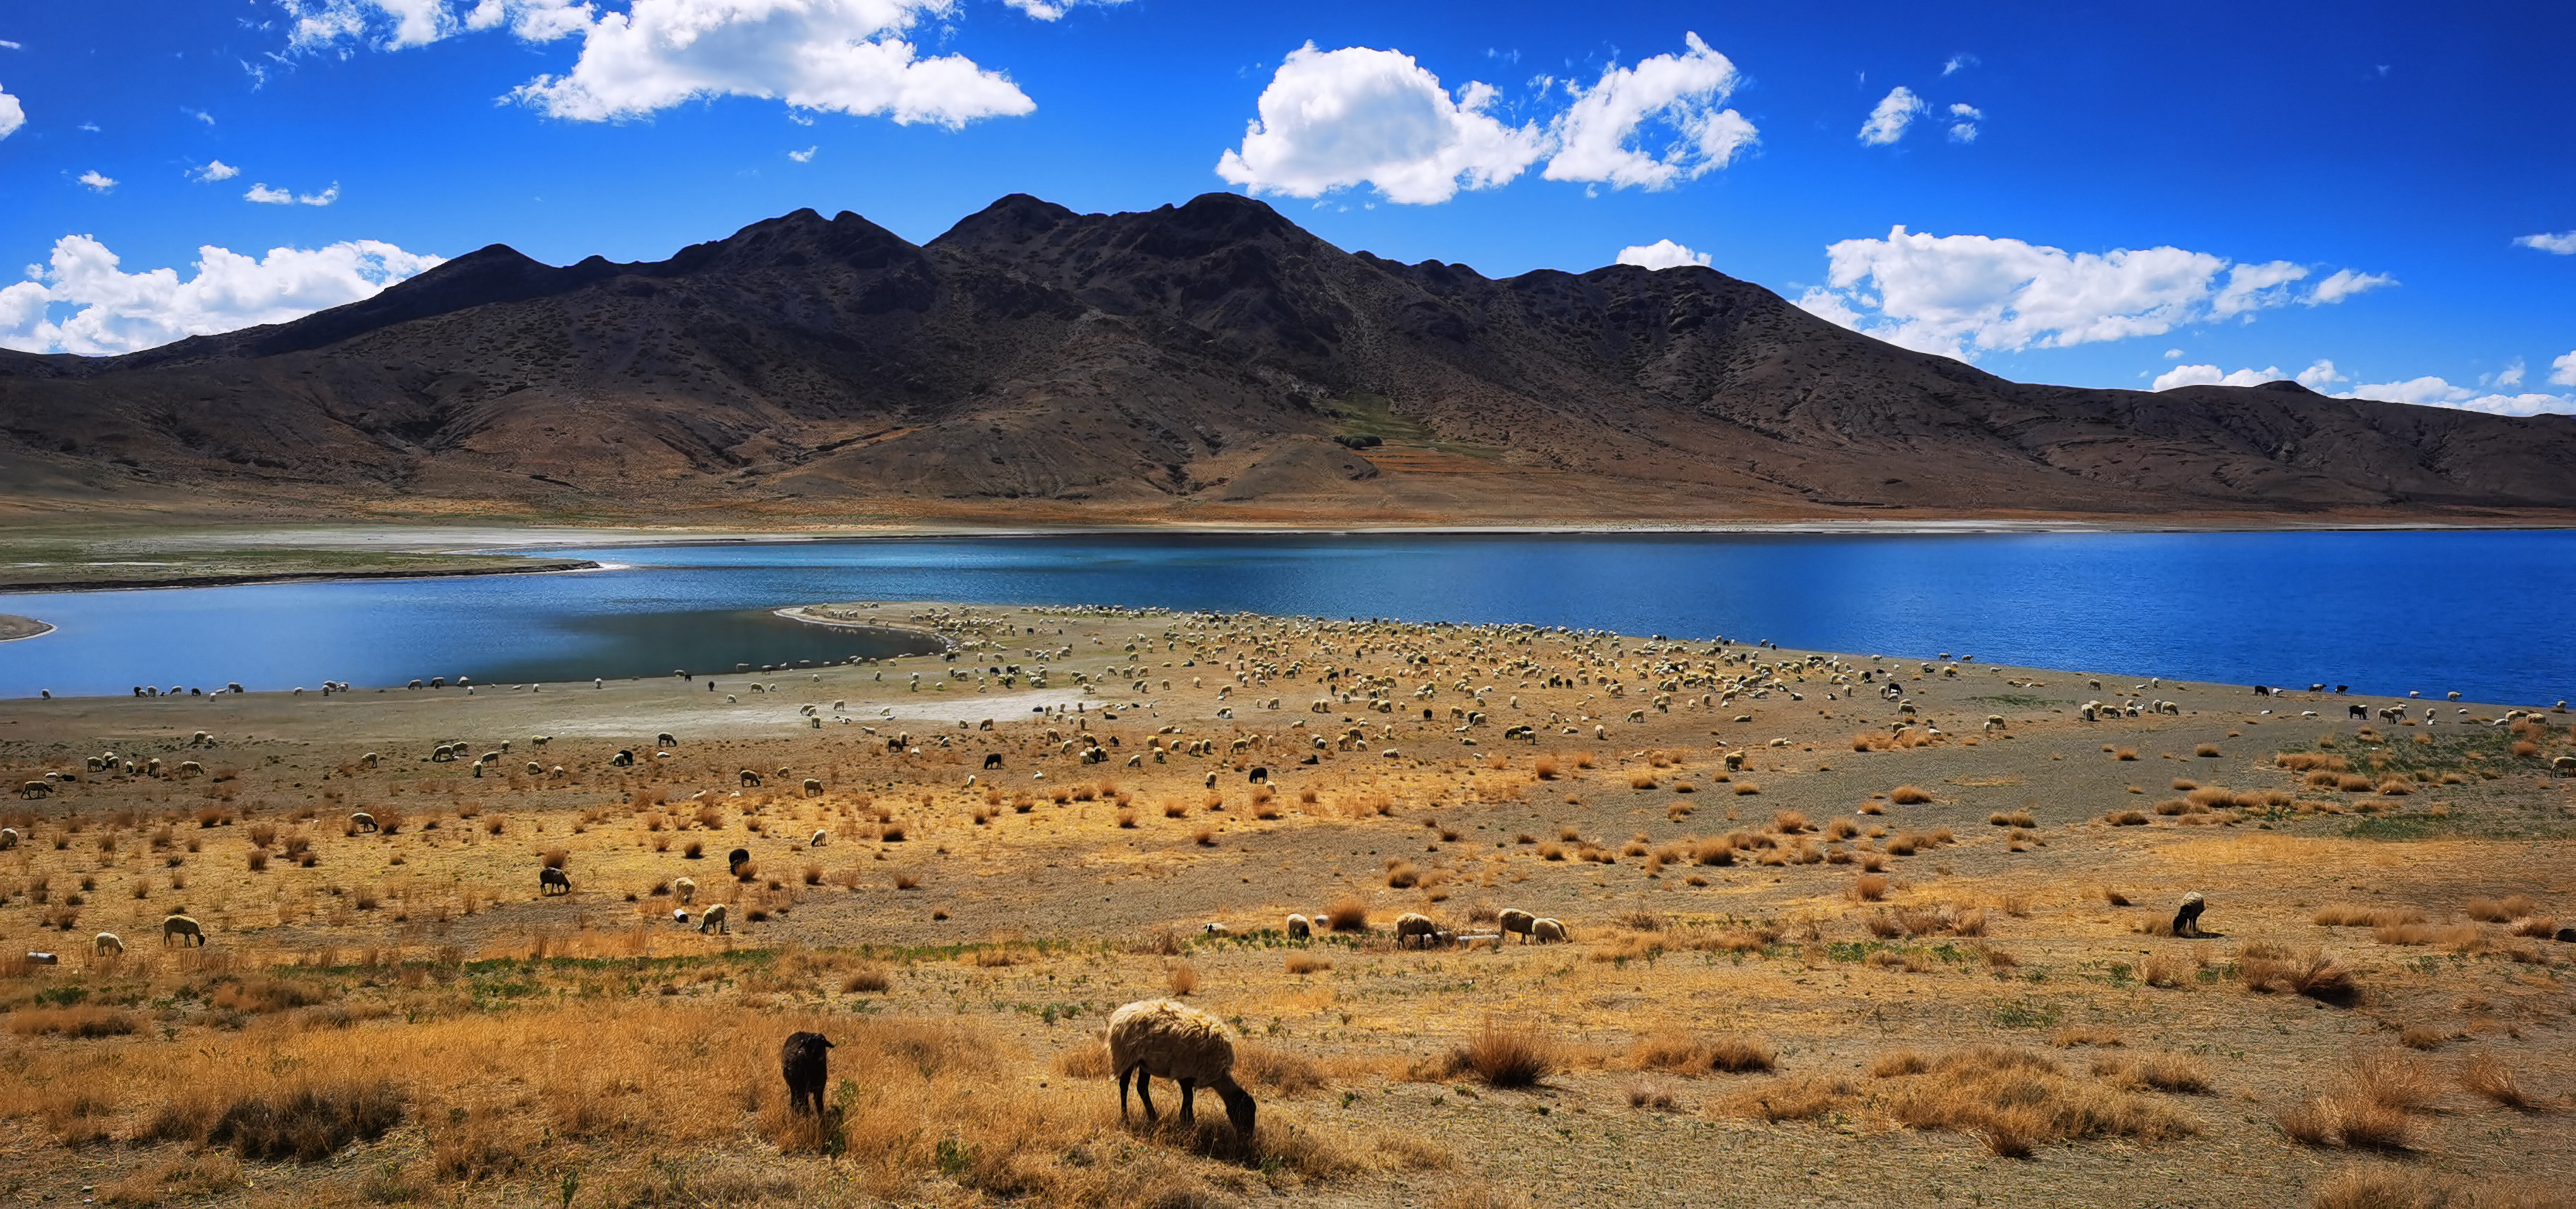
1195, 362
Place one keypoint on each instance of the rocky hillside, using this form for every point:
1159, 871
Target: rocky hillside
1211, 361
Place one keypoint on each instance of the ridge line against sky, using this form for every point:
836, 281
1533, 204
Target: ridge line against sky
2035, 222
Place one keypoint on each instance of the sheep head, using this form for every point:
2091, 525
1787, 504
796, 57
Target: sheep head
1239, 1107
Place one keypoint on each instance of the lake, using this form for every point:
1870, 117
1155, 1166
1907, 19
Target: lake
2477, 612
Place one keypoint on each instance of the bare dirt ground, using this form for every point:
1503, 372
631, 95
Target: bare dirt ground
1827, 945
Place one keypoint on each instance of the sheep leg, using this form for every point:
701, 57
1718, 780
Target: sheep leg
1145, 1093
1189, 1102
1122, 1091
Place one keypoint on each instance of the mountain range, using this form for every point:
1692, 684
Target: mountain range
1207, 362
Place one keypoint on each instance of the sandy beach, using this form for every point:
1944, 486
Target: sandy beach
1841, 927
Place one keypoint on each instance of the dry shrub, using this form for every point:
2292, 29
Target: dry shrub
870, 979
1183, 979
184, 1177
1746, 788
2389, 1187
1349, 913
2125, 753
2348, 915
306, 1121
554, 858
2486, 1075
2488, 910
2268, 969
1401, 875
2207, 751
1686, 1053
1301, 962
1909, 795
1789, 822
2114, 897
2166, 970
1545, 768
2422, 1037
2015, 1099
1279, 1071
251, 996
2125, 818
2159, 1072
86, 1020
1506, 1054
1869, 888
1802, 1098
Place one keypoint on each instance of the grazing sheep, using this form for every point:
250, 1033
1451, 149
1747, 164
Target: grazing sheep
813, 788
36, 789
750, 778
2187, 920
685, 890
1546, 930
665, 740
714, 919
625, 758
737, 858
106, 944
1299, 927
807, 1066
1415, 926
993, 760
2564, 766
1513, 919
2356, 713
550, 880
1180, 1043
186, 929
820, 838
368, 759
1994, 722
8, 838
1218, 930
363, 821
1260, 776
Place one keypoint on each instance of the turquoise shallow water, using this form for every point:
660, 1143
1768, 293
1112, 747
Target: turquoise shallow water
2483, 613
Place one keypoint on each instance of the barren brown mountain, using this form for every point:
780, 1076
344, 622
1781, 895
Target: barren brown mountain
1194, 362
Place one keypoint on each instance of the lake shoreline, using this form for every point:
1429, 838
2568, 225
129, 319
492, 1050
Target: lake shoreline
14, 628
246, 579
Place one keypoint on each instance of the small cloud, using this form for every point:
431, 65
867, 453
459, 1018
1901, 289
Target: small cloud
12, 115
2563, 370
2510, 375
324, 198
91, 127
1662, 254
801, 119
1963, 132
215, 170
1893, 113
1965, 110
95, 180
806, 156
2345, 283
2320, 375
269, 197
2563, 243
2208, 375
6, 44
2173, 354
1958, 63
199, 114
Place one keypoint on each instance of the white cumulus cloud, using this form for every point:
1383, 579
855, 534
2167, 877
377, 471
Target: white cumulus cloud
2208, 375
2510, 375
2563, 370
1963, 127
1677, 97
215, 170
2562, 243
12, 115
2345, 283
1333, 119
1662, 254
1343, 118
2430, 391
261, 193
806, 156
2321, 375
1888, 120
82, 302
98, 180
1958, 63
847, 56
1960, 295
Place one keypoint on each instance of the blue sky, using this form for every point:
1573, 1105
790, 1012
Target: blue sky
2109, 197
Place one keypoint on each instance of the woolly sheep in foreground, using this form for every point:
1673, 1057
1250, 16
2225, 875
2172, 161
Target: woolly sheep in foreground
186, 929
714, 920
2186, 921
1159, 1037
1418, 927
685, 889
1513, 919
1546, 930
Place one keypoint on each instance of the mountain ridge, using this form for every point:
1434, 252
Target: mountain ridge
1211, 360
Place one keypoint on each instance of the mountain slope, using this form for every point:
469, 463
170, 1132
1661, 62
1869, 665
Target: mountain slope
1192, 362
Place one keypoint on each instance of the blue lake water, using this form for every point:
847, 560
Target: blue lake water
2482, 613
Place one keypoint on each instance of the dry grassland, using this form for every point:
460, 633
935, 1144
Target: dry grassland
1826, 944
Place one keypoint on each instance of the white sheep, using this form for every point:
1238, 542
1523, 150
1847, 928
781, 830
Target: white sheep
8, 838
362, 821
714, 920
1513, 919
821, 837
1546, 930
1299, 927
107, 944
1416, 926
1219, 931
685, 889
1159, 1037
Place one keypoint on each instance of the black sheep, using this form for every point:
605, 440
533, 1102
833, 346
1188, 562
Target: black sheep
550, 880
2187, 920
808, 1068
736, 858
